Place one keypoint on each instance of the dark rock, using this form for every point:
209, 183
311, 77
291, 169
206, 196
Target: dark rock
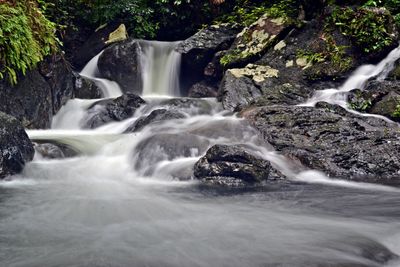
193, 106
121, 63
231, 166
160, 147
93, 45
329, 139
198, 50
155, 116
214, 71
379, 97
109, 110
54, 150
201, 89
29, 101
15, 147
85, 88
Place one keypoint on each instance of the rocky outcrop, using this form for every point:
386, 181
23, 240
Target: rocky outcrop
329, 139
155, 116
121, 63
253, 41
86, 89
98, 41
109, 110
379, 97
15, 147
231, 166
198, 50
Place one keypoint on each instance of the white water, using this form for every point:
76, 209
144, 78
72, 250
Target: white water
357, 80
120, 202
160, 68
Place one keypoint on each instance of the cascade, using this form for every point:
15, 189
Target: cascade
120, 202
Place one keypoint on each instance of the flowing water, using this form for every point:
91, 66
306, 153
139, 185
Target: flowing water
129, 200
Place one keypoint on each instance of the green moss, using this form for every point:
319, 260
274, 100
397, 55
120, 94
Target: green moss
359, 103
396, 112
26, 36
232, 56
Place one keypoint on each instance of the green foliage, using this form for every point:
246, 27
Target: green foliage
359, 103
367, 28
26, 36
311, 57
396, 112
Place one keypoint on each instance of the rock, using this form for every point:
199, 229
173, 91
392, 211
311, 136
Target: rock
165, 146
202, 89
231, 166
15, 147
394, 74
54, 150
98, 41
155, 116
329, 139
379, 97
85, 88
109, 110
121, 63
198, 50
253, 41
29, 101
214, 71
193, 106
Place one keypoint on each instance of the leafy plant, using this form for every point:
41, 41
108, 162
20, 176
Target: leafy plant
26, 37
396, 112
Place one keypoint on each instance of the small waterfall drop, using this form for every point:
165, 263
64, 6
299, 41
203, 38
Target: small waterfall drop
357, 80
160, 68
91, 71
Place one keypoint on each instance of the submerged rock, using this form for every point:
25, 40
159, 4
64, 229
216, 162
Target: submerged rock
231, 166
193, 106
109, 110
15, 147
54, 150
121, 63
155, 116
329, 139
202, 89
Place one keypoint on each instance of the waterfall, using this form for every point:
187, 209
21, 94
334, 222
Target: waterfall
160, 66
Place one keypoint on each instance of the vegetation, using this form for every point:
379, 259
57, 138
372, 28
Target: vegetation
26, 36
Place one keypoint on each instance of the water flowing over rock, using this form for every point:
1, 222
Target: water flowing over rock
109, 110
121, 63
330, 139
155, 116
231, 166
15, 147
86, 89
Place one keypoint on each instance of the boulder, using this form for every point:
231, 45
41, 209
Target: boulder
379, 97
118, 109
155, 116
193, 106
253, 41
30, 101
54, 150
198, 50
98, 41
332, 140
121, 63
202, 89
231, 166
85, 88
15, 147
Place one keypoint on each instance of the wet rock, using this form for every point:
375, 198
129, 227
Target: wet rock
15, 147
94, 45
165, 146
202, 89
379, 97
54, 150
231, 166
255, 40
198, 50
109, 110
29, 101
85, 88
155, 116
121, 63
329, 139
193, 106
